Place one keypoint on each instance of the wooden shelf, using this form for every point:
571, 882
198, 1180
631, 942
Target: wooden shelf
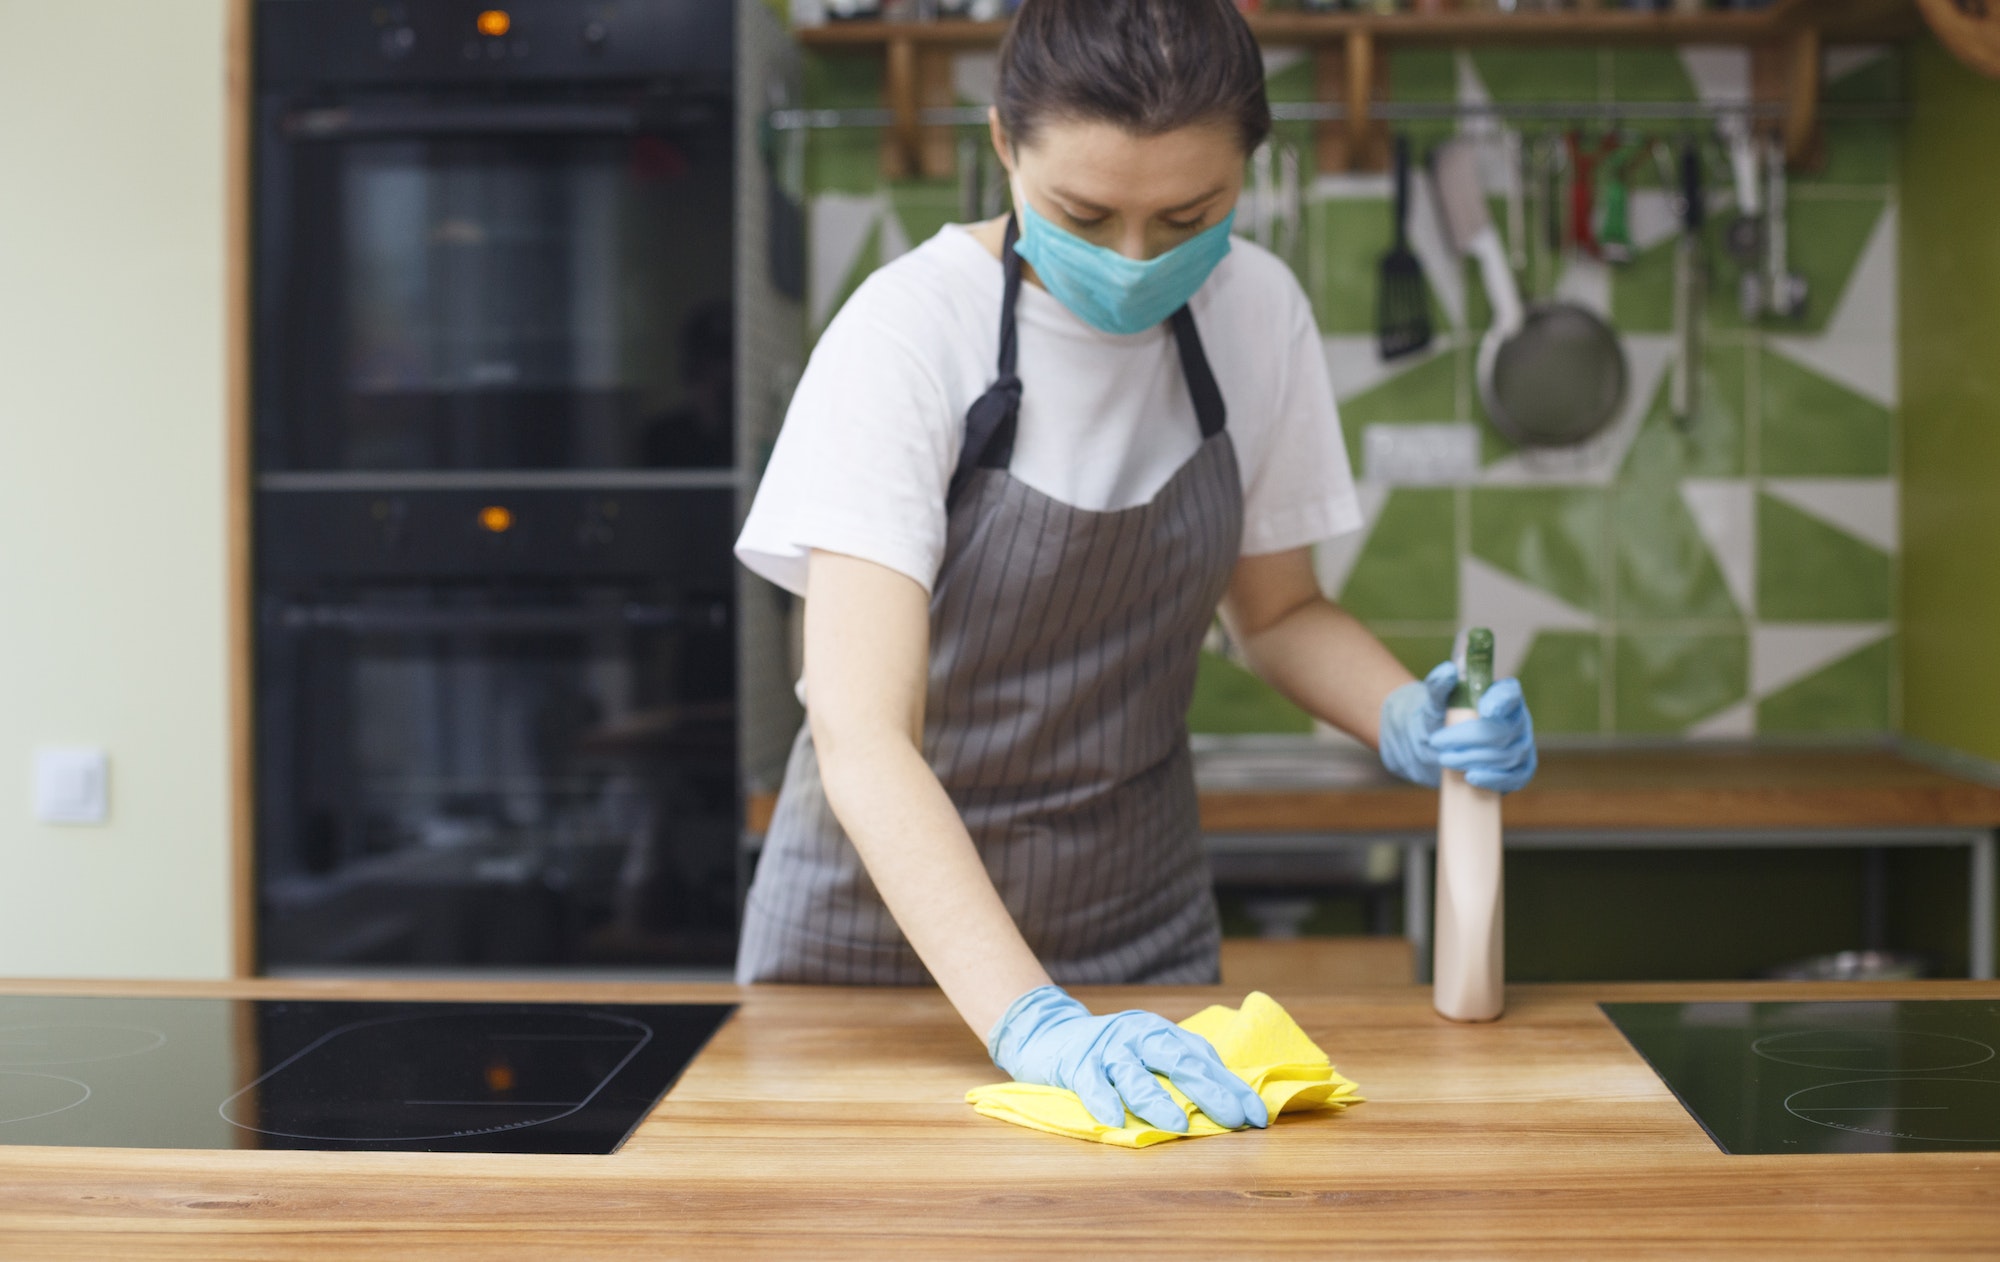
1626, 791
1837, 20
864, 34
1787, 40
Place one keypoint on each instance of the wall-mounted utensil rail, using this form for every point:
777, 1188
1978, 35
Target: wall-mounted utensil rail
1786, 40
1324, 112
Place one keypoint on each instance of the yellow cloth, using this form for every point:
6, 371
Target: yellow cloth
1260, 1041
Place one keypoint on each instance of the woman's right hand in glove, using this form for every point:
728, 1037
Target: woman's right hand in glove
1047, 1037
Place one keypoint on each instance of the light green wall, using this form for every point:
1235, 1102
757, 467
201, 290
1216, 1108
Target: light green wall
1951, 407
112, 464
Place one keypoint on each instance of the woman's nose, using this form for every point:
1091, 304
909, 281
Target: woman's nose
1139, 242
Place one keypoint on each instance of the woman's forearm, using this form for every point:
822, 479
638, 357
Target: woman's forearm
867, 653
1325, 662
928, 872
1311, 650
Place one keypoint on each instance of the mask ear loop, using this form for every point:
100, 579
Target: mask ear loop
990, 422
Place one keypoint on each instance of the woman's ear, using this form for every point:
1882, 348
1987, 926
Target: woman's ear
1001, 145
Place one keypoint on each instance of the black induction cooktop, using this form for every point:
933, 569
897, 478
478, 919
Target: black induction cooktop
422, 1077
1887, 1076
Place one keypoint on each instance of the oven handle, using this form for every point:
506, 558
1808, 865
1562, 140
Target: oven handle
369, 120
364, 619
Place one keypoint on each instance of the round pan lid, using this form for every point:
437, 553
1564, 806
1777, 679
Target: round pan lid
1557, 382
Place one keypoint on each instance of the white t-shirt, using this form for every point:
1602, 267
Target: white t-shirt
873, 434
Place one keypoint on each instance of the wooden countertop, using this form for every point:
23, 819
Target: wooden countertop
1682, 787
830, 1122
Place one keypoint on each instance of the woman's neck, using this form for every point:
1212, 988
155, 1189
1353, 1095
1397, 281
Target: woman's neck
993, 235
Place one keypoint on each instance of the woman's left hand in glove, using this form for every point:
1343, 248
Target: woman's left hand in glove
1496, 750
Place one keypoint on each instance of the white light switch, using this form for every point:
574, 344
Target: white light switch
72, 786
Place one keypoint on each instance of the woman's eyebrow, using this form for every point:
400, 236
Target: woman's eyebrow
1080, 203
1209, 196
1092, 208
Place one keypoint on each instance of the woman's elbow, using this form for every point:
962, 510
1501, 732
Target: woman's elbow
849, 745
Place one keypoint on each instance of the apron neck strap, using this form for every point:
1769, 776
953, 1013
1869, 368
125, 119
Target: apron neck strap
991, 420
1209, 409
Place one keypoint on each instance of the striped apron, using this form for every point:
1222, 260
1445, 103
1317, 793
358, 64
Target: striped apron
1064, 645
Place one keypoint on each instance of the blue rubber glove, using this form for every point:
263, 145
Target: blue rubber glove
1496, 750
1410, 715
1047, 1037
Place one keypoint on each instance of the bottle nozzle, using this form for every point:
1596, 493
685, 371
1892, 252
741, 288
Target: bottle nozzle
1477, 676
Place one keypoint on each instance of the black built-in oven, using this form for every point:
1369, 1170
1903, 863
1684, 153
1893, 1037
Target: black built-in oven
498, 274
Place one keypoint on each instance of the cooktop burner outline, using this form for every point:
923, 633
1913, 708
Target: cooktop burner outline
643, 1036
1894, 1049
15, 1075
21, 1047
574, 1077
1827, 1075
1893, 1089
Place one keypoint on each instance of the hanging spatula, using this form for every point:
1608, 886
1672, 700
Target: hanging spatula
1403, 301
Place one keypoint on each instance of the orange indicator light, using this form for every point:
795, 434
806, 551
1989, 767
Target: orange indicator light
496, 518
495, 22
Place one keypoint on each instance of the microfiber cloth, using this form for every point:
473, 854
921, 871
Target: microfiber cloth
1259, 1041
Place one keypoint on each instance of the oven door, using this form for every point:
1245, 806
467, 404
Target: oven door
527, 277
475, 773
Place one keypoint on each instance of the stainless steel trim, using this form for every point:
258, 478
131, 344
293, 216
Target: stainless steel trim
367, 120
1982, 908
518, 620
506, 480
1417, 903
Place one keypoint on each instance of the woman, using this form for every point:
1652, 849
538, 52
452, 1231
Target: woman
1008, 576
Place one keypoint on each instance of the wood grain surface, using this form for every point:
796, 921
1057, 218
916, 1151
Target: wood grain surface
1317, 965
829, 1122
1616, 789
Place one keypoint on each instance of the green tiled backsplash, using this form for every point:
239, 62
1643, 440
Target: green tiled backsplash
1731, 578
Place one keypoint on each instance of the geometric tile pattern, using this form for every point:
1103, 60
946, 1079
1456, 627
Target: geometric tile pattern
1731, 578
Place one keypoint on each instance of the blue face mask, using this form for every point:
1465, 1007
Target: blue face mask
1109, 291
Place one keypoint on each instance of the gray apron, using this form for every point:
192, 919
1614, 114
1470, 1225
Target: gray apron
1064, 645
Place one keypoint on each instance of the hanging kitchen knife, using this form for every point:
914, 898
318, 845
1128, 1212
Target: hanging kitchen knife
1690, 291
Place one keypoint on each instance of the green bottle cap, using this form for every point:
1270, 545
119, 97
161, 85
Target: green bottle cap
1477, 676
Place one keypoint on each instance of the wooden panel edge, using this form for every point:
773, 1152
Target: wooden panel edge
236, 360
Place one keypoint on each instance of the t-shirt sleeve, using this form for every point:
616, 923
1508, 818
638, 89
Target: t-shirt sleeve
1302, 491
863, 460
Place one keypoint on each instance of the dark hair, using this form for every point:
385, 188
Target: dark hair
1148, 66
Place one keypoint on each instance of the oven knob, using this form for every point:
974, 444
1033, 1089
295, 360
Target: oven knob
594, 36
398, 42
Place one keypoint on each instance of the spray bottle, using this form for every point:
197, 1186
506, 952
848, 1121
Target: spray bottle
1468, 971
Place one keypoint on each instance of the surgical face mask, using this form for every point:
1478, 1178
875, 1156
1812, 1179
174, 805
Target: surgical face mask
1109, 291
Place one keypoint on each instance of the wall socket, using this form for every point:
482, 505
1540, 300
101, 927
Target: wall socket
72, 786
